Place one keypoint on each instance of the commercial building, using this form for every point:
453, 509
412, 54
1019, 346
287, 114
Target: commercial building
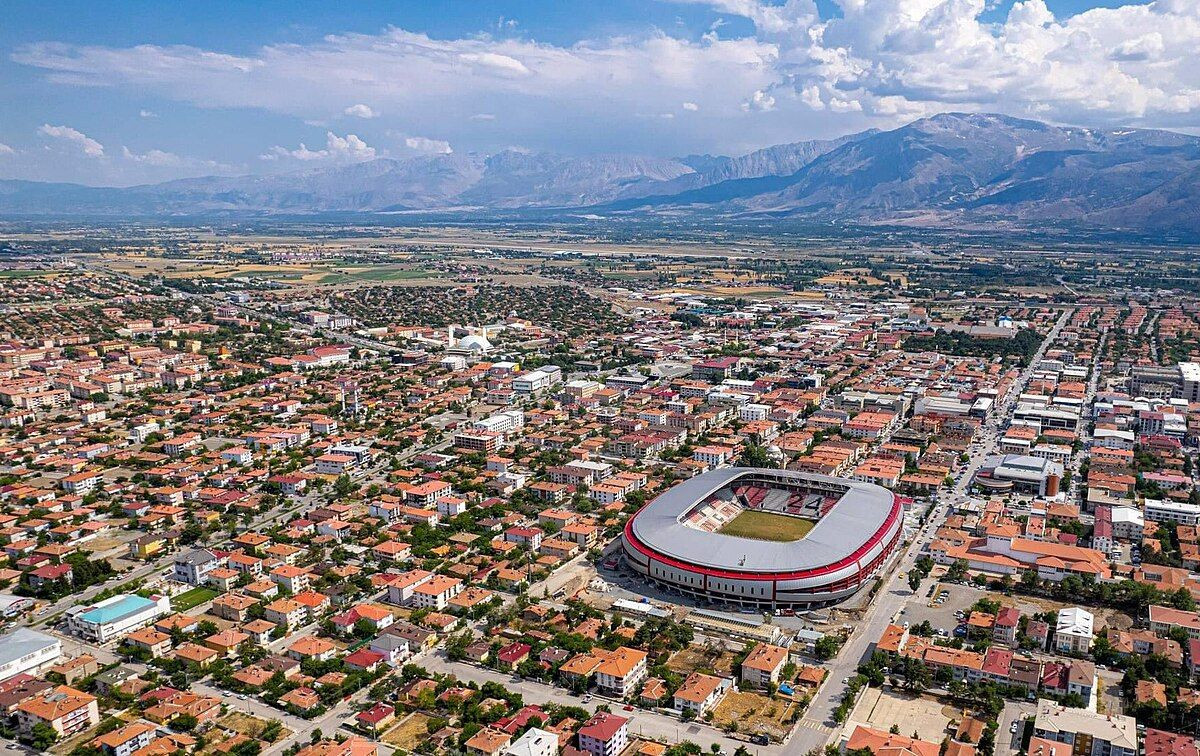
1021, 473
28, 651
116, 616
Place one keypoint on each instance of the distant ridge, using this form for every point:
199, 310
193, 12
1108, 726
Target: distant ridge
951, 170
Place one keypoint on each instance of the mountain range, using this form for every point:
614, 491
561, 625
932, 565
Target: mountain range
951, 170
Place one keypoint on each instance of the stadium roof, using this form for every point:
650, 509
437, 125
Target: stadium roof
863, 510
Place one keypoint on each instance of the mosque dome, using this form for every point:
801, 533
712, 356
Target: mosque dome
474, 343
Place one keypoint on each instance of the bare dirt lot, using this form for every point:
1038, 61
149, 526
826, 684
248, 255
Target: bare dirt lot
927, 717
409, 733
755, 713
247, 725
711, 661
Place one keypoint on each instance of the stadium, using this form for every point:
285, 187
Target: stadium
765, 539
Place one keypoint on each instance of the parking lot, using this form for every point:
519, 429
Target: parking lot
958, 597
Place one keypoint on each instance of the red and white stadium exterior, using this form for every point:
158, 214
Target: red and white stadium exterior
847, 546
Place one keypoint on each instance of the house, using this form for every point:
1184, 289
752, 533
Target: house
1005, 628
401, 588
375, 617
123, 741
605, 735
436, 592
886, 743
193, 567
513, 654
290, 578
1073, 633
763, 664
393, 648
535, 742
364, 660
63, 708
376, 718
312, 647
84, 665
700, 692
148, 639
232, 606
488, 742
621, 671
1086, 732
286, 613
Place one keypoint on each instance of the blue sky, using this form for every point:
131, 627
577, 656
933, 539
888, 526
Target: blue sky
129, 92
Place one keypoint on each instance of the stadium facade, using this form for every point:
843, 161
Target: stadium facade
675, 540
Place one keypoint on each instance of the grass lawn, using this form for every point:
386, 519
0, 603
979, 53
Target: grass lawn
25, 273
767, 526
378, 273
193, 598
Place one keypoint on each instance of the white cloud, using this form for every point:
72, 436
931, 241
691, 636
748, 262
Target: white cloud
428, 146
147, 114
760, 101
347, 149
6, 150
811, 96
76, 139
876, 63
496, 63
544, 95
360, 111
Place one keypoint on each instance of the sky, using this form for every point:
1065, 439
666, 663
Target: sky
137, 91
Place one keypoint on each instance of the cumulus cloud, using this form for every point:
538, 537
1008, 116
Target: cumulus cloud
147, 114
6, 150
760, 101
875, 63
428, 146
347, 149
74, 139
360, 111
544, 95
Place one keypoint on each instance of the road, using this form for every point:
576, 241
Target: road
818, 725
1008, 742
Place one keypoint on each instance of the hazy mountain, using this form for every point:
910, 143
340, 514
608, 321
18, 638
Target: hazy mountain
951, 169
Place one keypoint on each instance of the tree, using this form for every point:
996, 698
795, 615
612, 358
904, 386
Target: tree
826, 647
914, 580
184, 723
756, 455
344, 485
957, 570
43, 736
